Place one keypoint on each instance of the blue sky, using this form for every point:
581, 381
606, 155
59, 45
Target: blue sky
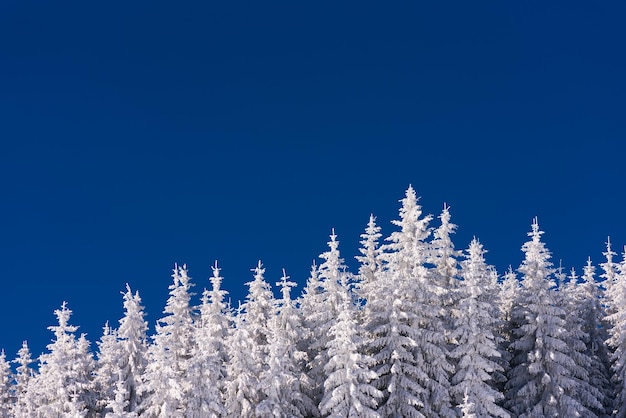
139, 134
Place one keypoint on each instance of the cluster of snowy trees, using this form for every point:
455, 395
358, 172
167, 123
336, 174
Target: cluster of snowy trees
421, 330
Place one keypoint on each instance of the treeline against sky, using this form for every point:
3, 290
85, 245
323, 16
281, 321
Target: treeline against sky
420, 330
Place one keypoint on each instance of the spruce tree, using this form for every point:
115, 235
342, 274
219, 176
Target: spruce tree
321, 317
476, 349
280, 381
133, 346
165, 380
23, 374
348, 388
544, 380
616, 295
6, 398
208, 363
63, 384
248, 348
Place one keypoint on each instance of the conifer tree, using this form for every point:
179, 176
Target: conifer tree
476, 348
280, 382
408, 338
23, 374
6, 398
591, 312
616, 294
63, 384
133, 349
443, 255
308, 305
107, 372
370, 262
544, 380
165, 379
208, 363
322, 317
348, 388
248, 348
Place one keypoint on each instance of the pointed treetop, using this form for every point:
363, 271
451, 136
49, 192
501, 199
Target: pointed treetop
285, 285
535, 233
609, 252
258, 271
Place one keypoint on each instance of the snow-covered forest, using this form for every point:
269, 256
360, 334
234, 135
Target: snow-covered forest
422, 329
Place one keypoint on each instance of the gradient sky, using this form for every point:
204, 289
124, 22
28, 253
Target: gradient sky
137, 134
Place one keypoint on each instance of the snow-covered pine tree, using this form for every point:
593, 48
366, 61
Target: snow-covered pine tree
248, 348
312, 297
616, 295
370, 262
443, 255
320, 318
6, 398
23, 374
107, 372
591, 312
280, 382
133, 345
63, 384
476, 349
165, 380
208, 363
408, 341
544, 380
348, 388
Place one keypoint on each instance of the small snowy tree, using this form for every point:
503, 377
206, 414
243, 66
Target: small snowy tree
370, 262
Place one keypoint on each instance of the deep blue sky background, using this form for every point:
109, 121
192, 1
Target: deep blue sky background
138, 134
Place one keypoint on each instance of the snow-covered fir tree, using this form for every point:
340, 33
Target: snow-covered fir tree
545, 380
280, 381
133, 349
589, 308
616, 295
63, 385
248, 348
208, 363
348, 388
320, 319
408, 340
6, 398
23, 374
476, 349
165, 381
107, 372
370, 262
312, 297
